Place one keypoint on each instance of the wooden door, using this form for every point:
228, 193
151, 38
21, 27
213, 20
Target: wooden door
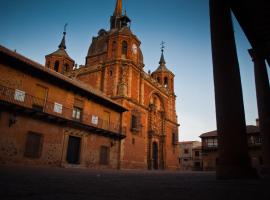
155, 155
73, 151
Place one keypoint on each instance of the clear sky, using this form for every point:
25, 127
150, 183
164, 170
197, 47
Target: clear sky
34, 28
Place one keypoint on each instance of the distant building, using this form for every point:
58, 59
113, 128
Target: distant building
190, 155
210, 148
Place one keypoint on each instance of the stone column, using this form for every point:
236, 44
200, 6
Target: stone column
233, 160
263, 102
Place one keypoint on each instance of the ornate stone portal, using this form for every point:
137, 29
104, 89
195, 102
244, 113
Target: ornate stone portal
156, 133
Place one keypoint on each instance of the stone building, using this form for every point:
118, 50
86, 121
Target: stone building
210, 148
190, 155
90, 102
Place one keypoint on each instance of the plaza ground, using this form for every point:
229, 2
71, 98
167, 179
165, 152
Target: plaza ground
20, 182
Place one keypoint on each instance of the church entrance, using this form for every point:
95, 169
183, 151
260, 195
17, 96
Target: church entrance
73, 150
155, 155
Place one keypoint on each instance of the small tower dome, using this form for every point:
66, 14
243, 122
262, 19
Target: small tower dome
59, 60
162, 74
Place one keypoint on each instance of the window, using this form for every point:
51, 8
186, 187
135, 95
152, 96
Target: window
158, 79
134, 122
58, 108
166, 82
174, 138
77, 112
77, 109
197, 153
211, 142
257, 139
94, 120
111, 72
124, 48
186, 151
56, 66
19, 95
104, 155
33, 145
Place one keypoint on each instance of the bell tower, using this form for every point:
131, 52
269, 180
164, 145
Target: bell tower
118, 20
162, 74
59, 60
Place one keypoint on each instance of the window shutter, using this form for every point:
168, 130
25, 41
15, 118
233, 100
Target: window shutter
40, 96
33, 145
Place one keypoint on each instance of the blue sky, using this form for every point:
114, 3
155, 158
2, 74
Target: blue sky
34, 28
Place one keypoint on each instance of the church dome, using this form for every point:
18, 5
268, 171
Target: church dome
99, 44
140, 55
125, 31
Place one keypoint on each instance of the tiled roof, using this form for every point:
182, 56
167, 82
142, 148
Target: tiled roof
250, 130
61, 52
96, 94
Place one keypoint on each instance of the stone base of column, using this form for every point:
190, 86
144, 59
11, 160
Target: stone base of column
236, 172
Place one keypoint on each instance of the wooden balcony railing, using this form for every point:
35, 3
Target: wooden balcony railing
56, 109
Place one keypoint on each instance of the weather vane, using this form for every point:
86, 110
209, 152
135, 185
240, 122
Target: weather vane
65, 28
162, 46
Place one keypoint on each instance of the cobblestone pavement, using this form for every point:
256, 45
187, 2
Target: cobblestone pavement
72, 184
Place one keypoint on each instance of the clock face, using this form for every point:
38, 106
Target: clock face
134, 49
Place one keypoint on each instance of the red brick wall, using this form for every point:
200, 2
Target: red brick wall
55, 136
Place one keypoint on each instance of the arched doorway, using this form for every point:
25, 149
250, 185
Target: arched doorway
155, 155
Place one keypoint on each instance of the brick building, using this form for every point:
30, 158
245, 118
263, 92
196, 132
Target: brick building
190, 155
210, 148
108, 112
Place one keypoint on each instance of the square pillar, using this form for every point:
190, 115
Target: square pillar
263, 102
233, 159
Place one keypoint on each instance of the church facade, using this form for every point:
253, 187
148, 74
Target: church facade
143, 104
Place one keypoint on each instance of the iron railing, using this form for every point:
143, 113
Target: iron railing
23, 99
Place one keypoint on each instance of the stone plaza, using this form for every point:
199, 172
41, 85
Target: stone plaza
74, 183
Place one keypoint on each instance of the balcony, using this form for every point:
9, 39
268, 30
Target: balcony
20, 101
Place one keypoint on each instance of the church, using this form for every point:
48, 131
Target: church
108, 113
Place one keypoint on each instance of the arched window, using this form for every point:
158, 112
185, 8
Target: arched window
56, 66
166, 82
158, 79
124, 48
